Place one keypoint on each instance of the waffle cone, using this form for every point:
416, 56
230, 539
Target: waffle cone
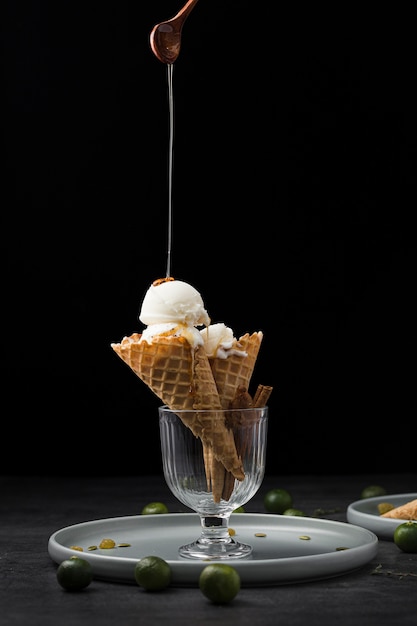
231, 375
236, 371
406, 511
181, 377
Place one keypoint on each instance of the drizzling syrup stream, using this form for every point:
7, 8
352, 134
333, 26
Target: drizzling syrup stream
170, 72
165, 40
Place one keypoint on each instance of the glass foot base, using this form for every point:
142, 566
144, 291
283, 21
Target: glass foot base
215, 550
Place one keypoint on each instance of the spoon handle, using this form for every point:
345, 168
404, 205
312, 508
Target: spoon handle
185, 11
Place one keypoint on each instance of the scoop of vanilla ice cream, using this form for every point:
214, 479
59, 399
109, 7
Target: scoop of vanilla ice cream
220, 342
173, 302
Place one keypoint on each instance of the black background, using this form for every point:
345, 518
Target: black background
293, 198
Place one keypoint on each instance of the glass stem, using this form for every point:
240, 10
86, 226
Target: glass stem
214, 528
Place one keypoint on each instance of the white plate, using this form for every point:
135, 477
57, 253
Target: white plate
279, 557
365, 513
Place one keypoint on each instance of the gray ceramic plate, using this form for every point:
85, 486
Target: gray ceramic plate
332, 549
365, 513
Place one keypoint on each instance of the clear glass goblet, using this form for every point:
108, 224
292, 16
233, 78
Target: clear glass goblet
201, 482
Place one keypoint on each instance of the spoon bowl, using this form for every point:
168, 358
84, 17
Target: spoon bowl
165, 38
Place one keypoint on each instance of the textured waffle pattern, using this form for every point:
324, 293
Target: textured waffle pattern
182, 378
236, 371
165, 365
406, 511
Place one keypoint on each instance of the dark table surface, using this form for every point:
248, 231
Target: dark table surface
383, 591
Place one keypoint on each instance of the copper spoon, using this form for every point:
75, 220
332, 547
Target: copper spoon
165, 37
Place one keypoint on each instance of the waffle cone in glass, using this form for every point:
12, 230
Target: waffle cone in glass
181, 376
232, 374
236, 370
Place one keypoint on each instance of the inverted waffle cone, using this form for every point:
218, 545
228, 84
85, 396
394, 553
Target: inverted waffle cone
236, 371
407, 511
232, 374
181, 377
